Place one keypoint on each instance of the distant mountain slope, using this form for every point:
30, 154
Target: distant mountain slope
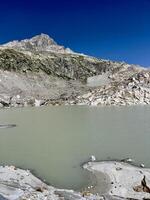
39, 70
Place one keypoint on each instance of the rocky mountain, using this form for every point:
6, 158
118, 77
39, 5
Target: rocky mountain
39, 43
38, 71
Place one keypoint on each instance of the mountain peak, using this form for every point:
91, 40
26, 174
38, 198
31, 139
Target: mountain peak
42, 39
38, 43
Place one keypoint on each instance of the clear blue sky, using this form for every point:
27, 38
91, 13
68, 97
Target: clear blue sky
111, 29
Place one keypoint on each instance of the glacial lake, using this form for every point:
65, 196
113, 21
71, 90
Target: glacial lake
55, 141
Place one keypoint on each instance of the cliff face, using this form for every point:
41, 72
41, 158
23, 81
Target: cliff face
38, 69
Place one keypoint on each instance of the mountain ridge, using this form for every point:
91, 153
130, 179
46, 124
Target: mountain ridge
47, 72
42, 42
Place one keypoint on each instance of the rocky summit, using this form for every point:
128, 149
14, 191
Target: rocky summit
38, 71
38, 43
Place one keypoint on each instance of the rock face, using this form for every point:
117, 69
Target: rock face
39, 70
39, 43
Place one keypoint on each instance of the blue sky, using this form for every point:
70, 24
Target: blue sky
110, 29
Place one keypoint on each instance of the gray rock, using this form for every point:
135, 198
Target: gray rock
39, 69
121, 180
118, 181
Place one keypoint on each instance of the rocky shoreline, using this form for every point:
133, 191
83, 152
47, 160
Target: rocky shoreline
135, 90
114, 181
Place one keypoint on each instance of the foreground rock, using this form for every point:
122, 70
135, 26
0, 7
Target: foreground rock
18, 184
113, 181
120, 180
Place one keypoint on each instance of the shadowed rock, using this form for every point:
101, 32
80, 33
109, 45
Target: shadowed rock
8, 125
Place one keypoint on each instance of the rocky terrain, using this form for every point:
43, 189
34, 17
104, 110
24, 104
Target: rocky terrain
38, 43
120, 180
114, 181
132, 90
38, 71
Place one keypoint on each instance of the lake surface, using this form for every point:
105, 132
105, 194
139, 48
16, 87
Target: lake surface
54, 141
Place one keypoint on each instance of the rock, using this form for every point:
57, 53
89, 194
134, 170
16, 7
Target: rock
18, 96
85, 96
124, 92
126, 181
2, 198
114, 181
38, 102
1, 105
38, 43
92, 158
19, 184
16, 184
5, 101
142, 165
129, 160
